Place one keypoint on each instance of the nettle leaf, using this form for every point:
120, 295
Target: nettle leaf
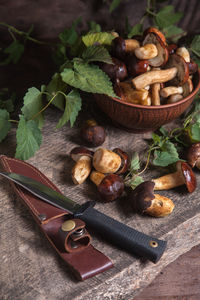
137, 29
14, 51
173, 32
88, 78
195, 45
97, 53
166, 16
33, 105
135, 182
4, 123
166, 156
56, 84
195, 132
114, 4
29, 138
98, 38
135, 162
72, 107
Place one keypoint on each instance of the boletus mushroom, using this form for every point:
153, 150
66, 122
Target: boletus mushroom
83, 166
116, 70
181, 65
120, 47
154, 36
183, 175
110, 186
93, 134
193, 155
143, 200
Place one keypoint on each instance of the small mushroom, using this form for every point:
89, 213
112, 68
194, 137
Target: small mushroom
180, 64
174, 98
151, 77
110, 186
154, 36
106, 161
183, 175
136, 66
148, 51
144, 200
121, 47
182, 51
82, 168
115, 70
193, 155
171, 48
93, 134
185, 89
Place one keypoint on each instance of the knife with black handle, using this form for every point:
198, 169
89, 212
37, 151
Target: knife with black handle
121, 235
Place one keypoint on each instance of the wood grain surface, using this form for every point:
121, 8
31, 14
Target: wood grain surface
30, 269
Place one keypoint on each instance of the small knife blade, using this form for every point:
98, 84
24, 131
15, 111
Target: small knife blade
121, 235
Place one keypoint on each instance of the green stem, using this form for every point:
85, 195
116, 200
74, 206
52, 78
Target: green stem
195, 52
150, 12
22, 33
13, 121
47, 105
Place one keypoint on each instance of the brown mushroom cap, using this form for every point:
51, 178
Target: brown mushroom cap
125, 161
193, 155
188, 175
111, 187
93, 134
193, 67
77, 152
118, 47
182, 75
116, 70
154, 36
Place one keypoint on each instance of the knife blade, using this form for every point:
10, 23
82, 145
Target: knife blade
115, 232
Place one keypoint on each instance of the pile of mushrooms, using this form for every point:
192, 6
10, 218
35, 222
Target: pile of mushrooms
104, 167
148, 71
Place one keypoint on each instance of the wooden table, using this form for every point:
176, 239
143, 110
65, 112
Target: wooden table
30, 268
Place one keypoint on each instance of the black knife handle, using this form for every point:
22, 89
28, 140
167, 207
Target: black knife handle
123, 236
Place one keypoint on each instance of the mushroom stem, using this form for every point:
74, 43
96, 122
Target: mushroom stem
160, 206
171, 90
182, 51
131, 45
168, 181
148, 51
96, 177
155, 94
81, 169
174, 98
152, 77
106, 161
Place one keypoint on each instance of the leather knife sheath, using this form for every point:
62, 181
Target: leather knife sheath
68, 236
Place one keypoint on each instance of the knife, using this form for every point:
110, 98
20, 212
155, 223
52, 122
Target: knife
121, 235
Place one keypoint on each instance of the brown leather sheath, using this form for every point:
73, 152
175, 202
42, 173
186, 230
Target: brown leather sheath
67, 235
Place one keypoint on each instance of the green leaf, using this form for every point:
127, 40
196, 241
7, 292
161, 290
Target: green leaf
98, 38
195, 45
167, 17
70, 36
88, 78
137, 29
135, 182
163, 131
56, 84
94, 27
173, 32
166, 156
114, 4
4, 123
72, 108
156, 138
195, 132
7, 105
29, 138
14, 51
33, 105
135, 162
97, 53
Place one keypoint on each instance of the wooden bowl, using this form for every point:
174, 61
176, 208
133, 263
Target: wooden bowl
139, 118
